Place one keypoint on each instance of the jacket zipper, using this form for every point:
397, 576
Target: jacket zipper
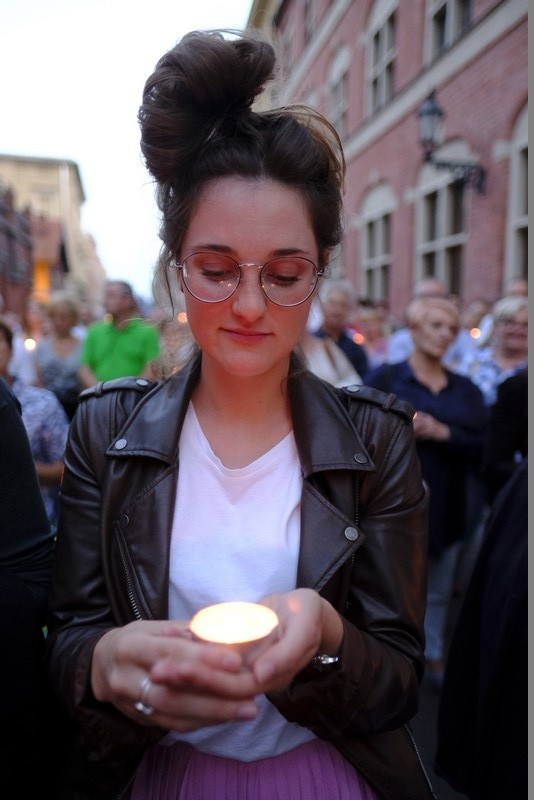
417, 753
129, 586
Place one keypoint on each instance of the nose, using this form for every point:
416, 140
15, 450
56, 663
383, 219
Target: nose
248, 300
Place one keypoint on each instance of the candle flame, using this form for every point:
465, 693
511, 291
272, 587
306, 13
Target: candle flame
234, 622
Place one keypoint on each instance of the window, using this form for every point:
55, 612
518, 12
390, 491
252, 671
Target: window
517, 224
441, 234
309, 19
376, 258
338, 91
447, 20
381, 51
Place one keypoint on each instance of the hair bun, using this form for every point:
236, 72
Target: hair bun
197, 86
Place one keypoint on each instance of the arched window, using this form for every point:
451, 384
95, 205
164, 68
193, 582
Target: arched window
338, 91
446, 20
381, 49
517, 221
375, 237
440, 234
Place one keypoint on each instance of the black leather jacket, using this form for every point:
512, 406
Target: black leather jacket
363, 547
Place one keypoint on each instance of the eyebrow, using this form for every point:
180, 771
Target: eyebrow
229, 251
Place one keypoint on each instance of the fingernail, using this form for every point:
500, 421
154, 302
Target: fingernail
247, 711
264, 671
231, 661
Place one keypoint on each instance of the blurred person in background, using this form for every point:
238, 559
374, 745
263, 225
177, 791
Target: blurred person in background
400, 344
508, 351
46, 424
507, 438
29, 746
483, 714
28, 330
515, 287
120, 345
488, 367
325, 359
338, 303
374, 338
85, 318
58, 353
450, 426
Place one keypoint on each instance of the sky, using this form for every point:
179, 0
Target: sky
73, 73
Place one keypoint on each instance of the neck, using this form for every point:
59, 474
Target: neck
334, 333
242, 417
509, 358
241, 398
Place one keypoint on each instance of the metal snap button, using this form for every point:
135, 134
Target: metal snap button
351, 534
120, 444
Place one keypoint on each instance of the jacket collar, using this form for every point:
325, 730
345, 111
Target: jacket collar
324, 432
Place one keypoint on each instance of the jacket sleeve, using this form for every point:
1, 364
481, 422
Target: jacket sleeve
374, 686
79, 607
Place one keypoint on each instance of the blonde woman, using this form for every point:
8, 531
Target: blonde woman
58, 354
450, 426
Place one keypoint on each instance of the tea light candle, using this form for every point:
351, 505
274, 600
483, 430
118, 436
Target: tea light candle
234, 623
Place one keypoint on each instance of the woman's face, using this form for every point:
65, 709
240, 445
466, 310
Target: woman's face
61, 320
511, 335
434, 333
252, 221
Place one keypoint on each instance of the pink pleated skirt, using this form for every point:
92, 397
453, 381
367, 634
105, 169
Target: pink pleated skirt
312, 771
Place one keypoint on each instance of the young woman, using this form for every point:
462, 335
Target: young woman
242, 477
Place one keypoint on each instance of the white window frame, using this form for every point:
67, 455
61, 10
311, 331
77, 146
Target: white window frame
338, 91
446, 243
517, 211
454, 25
379, 80
378, 206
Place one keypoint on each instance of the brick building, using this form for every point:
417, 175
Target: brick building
369, 66
42, 245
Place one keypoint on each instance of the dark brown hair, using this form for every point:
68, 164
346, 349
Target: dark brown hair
197, 124
6, 333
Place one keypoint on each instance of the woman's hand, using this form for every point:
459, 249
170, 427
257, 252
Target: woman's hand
308, 625
192, 684
195, 684
428, 427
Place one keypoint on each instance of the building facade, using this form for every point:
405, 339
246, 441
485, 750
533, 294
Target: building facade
459, 215
48, 193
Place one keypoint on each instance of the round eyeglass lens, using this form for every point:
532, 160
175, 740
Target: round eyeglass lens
214, 277
288, 281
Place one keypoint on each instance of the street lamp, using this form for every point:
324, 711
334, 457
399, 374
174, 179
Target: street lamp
430, 117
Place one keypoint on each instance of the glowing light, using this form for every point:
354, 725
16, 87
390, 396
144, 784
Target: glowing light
233, 623
30, 344
475, 333
182, 318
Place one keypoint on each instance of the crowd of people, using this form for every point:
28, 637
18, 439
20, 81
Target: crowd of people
288, 446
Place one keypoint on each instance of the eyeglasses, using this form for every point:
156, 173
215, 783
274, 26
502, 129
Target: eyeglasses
214, 277
513, 323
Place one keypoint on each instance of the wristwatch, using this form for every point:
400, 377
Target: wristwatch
322, 660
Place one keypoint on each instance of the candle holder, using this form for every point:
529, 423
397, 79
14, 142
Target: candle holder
246, 627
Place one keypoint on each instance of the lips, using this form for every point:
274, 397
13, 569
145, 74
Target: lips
247, 333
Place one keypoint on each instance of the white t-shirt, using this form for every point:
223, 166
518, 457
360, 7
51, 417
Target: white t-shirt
235, 536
